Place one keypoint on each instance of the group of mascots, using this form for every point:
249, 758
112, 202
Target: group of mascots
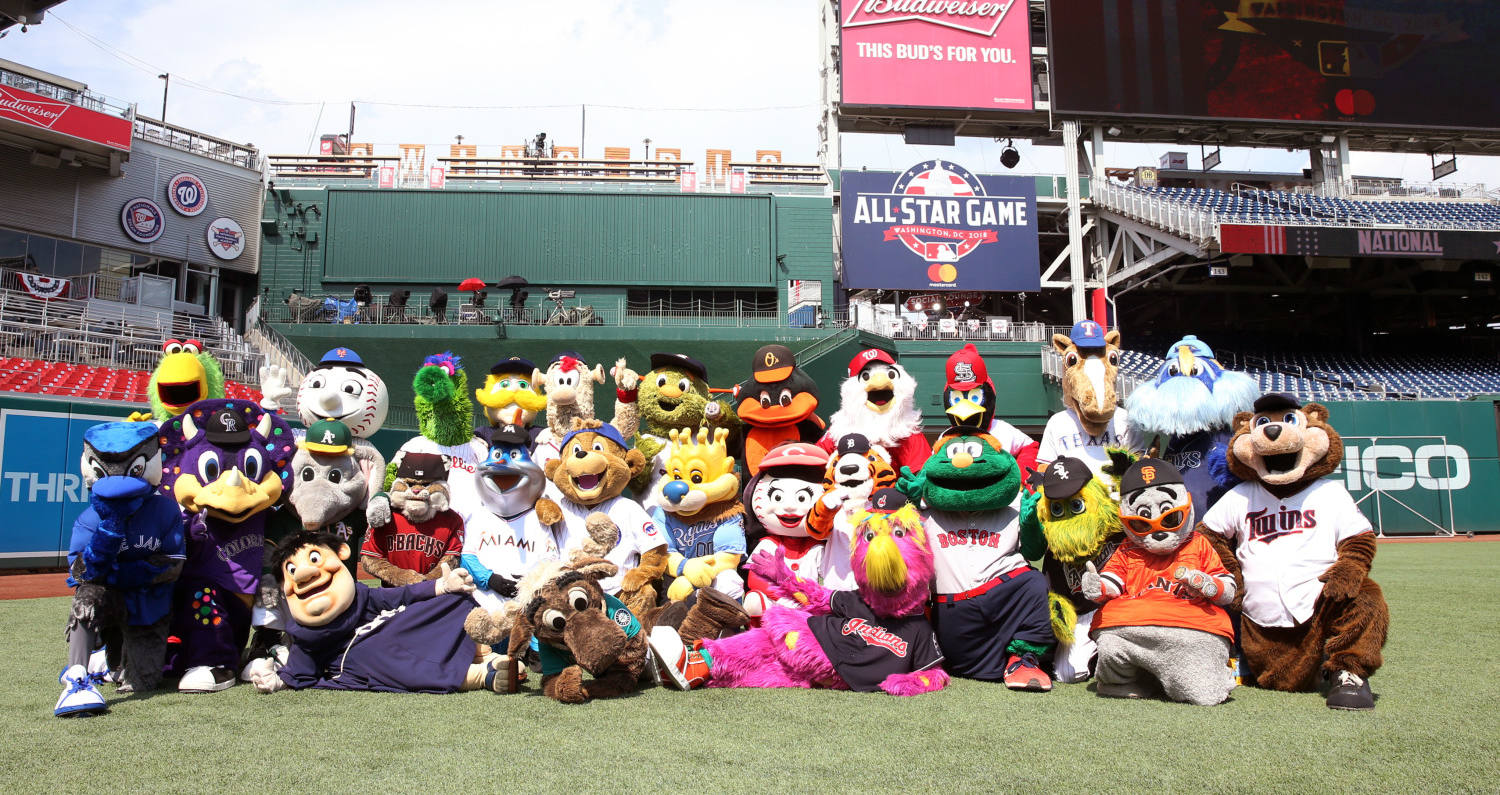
723, 538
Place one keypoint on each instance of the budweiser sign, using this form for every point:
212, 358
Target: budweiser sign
983, 18
37, 112
34, 110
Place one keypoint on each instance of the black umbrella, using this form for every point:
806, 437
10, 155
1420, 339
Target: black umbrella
512, 281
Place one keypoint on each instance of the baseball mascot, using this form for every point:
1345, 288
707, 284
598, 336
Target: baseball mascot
348, 636
420, 536
514, 532
511, 396
1186, 415
673, 394
1070, 522
875, 638
445, 418
1162, 622
1300, 551
227, 462
342, 388
878, 401
777, 404
969, 399
127, 550
699, 511
1089, 422
991, 606
569, 386
777, 503
854, 471
185, 375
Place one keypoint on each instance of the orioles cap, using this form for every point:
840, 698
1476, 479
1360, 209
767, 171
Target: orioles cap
773, 363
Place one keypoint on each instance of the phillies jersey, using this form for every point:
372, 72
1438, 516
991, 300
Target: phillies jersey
971, 548
1151, 597
416, 547
1065, 435
865, 648
1285, 544
638, 533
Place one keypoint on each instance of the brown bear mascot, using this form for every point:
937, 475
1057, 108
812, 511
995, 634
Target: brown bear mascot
1300, 552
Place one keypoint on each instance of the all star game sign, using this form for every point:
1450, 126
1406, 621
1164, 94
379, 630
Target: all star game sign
938, 225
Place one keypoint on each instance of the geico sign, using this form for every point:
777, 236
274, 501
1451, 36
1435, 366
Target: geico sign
1428, 467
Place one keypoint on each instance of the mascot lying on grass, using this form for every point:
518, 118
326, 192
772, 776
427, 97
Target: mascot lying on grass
1072, 520
126, 551
991, 606
878, 401
875, 638
1300, 551
1162, 623
778, 502
673, 395
699, 511
348, 636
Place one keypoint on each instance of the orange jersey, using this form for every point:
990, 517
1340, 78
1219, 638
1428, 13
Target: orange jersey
1150, 597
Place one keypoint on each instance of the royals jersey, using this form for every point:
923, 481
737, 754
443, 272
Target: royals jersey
971, 548
638, 533
1285, 544
1064, 435
699, 539
508, 547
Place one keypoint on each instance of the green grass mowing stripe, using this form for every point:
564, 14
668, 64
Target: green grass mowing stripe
1435, 728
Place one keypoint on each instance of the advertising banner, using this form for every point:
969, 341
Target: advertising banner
937, 225
41, 491
64, 117
936, 54
1355, 242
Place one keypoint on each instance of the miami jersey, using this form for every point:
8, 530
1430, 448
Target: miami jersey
508, 547
971, 548
1285, 544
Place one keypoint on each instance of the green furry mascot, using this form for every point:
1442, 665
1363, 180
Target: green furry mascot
185, 375
445, 417
672, 396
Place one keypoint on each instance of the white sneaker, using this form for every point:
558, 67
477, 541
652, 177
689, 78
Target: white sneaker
99, 666
687, 668
205, 679
80, 694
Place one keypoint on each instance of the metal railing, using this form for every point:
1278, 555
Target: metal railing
1183, 218
197, 143
334, 309
83, 98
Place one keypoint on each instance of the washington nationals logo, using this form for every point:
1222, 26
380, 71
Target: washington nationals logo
186, 194
143, 220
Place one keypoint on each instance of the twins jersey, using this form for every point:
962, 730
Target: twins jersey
1285, 545
971, 548
463, 462
699, 539
508, 547
1064, 435
416, 547
637, 534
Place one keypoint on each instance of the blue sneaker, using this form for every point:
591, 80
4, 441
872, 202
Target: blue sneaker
81, 693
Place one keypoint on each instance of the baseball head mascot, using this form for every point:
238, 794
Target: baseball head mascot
875, 638
777, 404
511, 395
420, 535
672, 395
346, 635
1089, 422
185, 375
991, 606
878, 401
1070, 522
227, 462
126, 552
1186, 414
445, 417
514, 532
699, 511
969, 400
1300, 551
342, 388
1162, 621
777, 503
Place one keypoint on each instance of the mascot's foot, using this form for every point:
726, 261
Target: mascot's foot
277, 652
1023, 672
1350, 691
203, 679
504, 675
1126, 690
684, 668
99, 666
80, 695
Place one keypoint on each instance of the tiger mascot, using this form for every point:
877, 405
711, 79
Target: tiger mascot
855, 470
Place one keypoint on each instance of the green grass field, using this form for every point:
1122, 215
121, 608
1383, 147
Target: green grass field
1436, 727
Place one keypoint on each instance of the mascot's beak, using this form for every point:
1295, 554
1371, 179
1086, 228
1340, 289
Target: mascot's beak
965, 410
234, 497
885, 569
181, 380
1185, 359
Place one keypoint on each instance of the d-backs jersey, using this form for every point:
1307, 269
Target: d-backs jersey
1285, 544
865, 648
1065, 435
416, 547
638, 533
971, 548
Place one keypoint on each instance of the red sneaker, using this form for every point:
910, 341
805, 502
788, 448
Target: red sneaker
1023, 672
685, 668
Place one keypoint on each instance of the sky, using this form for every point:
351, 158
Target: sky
690, 74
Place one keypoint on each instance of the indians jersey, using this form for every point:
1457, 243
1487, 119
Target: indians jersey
971, 548
1151, 597
507, 547
637, 533
1064, 435
865, 648
416, 547
1285, 544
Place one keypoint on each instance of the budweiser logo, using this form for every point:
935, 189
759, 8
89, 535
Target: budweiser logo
41, 114
973, 16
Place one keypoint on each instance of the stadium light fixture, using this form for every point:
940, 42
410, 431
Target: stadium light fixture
1113, 131
1010, 156
1328, 139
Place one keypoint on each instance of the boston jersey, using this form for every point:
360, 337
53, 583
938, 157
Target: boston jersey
865, 648
1285, 545
1064, 435
971, 548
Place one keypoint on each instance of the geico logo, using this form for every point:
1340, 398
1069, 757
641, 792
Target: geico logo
1371, 468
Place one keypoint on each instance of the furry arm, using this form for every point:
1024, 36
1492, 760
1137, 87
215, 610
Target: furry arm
627, 414
1231, 564
1219, 590
1096, 588
916, 682
782, 583
1033, 543
437, 571
651, 568
1342, 580
389, 573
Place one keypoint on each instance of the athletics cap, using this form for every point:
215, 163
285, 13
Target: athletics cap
327, 436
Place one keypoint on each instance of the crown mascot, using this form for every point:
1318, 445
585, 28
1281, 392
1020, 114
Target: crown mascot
698, 509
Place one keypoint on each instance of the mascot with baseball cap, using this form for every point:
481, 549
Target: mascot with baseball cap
1090, 422
878, 401
672, 395
341, 387
515, 532
512, 396
778, 403
777, 503
969, 399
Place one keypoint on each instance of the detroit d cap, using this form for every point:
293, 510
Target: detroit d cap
1276, 401
1065, 477
853, 444
422, 466
1149, 472
773, 363
886, 500
865, 357
966, 368
679, 361
228, 426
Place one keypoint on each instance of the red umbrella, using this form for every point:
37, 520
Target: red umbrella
470, 285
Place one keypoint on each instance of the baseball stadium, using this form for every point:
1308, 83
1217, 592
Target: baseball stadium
949, 363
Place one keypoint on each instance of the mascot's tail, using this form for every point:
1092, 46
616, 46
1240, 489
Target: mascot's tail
1218, 466
1064, 617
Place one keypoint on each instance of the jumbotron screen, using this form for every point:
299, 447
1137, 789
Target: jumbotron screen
1421, 63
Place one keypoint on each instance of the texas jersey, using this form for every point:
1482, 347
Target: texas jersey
971, 548
1064, 435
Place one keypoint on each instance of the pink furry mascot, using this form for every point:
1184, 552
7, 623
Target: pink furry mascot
873, 638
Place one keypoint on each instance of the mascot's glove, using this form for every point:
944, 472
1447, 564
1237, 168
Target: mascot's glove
103, 547
263, 675
627, 381
1199, 582
86, 600
502, 585
378, 510
1342, 581
274, 387
1094, 587
454, 581
773, 569
700, 571
910, 483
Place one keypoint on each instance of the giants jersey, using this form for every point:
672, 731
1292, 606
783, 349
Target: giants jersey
1285, 545
969, 549
1064, 435
1151, 597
